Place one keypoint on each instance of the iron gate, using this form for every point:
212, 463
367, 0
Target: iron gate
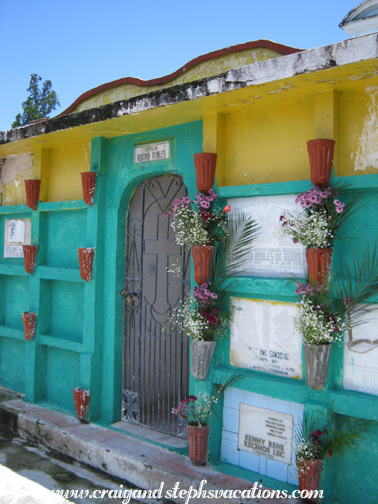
155, 357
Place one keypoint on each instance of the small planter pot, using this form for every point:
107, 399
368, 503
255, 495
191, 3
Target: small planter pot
85, 262
30, 254
202, 261
82, 399
317, 362
319, 264
88, 181
309, 474
202, 352
205, 164
198, 439
32, 188
320, 153
29, 319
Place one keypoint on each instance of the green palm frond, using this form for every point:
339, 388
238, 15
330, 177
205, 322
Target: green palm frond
229, 259
349, 210
360, 286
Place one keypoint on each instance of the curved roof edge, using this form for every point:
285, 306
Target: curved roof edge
361, 11
265, 44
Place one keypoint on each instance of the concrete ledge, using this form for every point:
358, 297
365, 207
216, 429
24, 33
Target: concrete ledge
144, 465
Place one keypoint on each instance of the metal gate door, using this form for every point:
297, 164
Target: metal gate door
155, 358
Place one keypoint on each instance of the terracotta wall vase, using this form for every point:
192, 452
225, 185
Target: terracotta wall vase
198, 438
205, 163
309, 474
82, 400
320, 152
30, 254
202, 261
319, 263
32, 188
88, 181
29, 319
85, 262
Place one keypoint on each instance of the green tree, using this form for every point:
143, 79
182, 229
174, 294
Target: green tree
39, 104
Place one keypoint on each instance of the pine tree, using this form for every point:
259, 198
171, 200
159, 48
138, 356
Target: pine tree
39, 104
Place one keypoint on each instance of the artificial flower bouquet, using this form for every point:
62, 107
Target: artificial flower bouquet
196, 410
318, 224
317, 321
194, 224
314, 441
200, 318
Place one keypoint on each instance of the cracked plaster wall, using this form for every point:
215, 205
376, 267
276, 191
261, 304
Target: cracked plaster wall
15, 170
366, 155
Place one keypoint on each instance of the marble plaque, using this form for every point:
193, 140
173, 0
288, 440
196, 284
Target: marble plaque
361, 354
263, 337
265, 433
151, 152
272, 255
16, 234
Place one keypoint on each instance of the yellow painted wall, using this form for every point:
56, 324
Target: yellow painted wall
268, 144
60, 170
16, 169
359, 132
205, 69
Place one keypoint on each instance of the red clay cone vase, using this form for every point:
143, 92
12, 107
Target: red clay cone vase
82, 399
32, 188
198, 438
88, 181
309, 474
202, 261
30, 254
320, 153
29, 319
319, 262
85, 263
205, 164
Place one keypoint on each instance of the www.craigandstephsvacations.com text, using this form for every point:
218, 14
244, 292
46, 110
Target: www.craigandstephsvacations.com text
255, 492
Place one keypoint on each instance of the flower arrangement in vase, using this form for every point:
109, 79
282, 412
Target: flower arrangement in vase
201, 317
203, 322
196, 411
315, 443
199, 229
325, 314
317, 226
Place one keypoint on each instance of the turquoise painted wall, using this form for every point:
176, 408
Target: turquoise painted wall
79, 329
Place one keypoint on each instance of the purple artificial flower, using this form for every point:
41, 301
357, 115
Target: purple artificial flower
166, 213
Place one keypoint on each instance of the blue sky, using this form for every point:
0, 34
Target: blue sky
81, 44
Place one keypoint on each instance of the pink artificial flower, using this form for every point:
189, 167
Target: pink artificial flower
329, 453
205, 204
166, 213
337, 202
339, 209
227, 208
318, 288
